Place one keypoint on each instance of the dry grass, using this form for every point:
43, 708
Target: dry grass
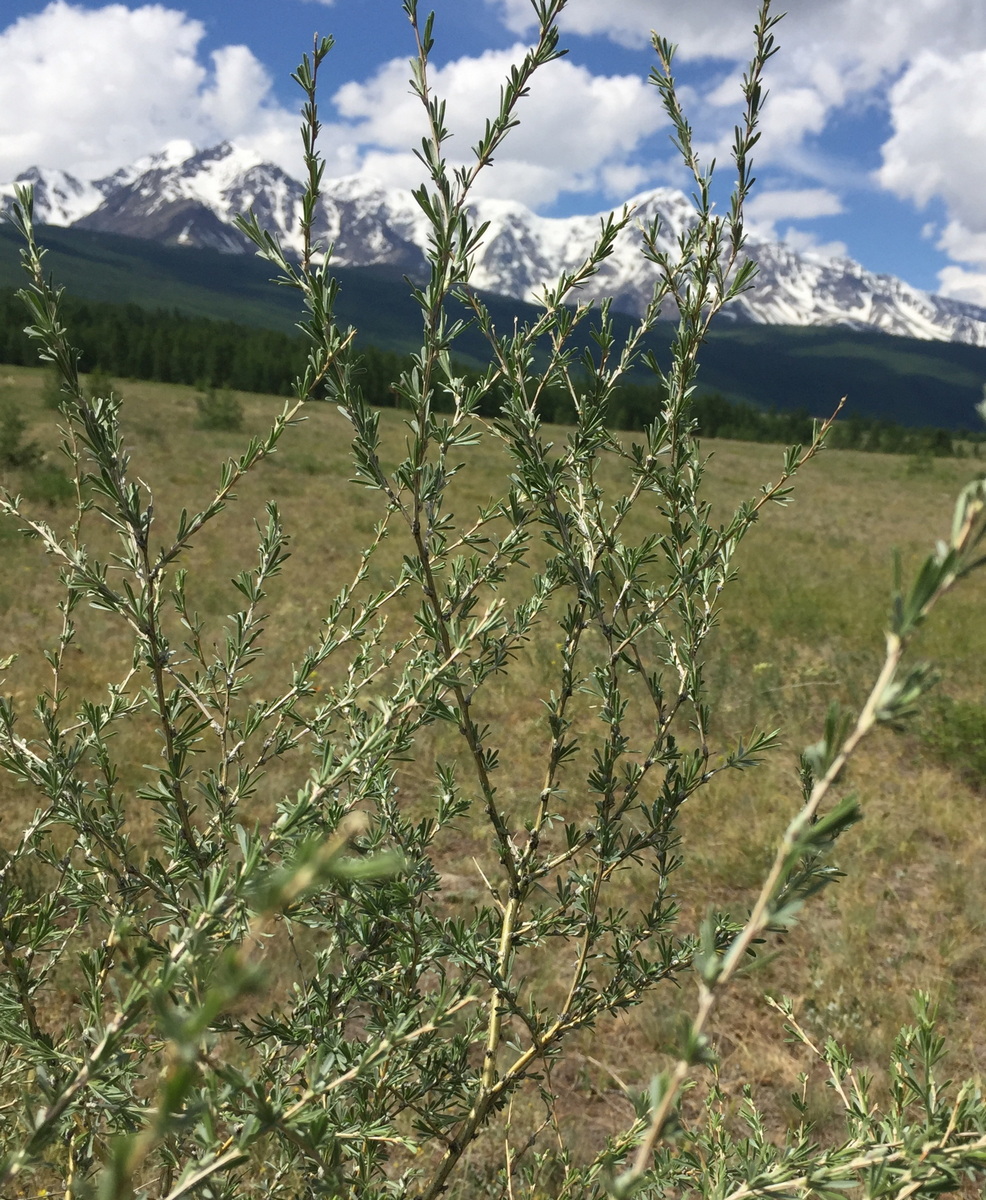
801, 627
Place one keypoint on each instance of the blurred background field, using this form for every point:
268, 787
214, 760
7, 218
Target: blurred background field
802, 627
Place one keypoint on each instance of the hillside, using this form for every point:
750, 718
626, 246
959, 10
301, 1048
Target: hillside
907, 380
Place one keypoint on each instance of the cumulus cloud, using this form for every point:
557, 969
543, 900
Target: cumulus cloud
719, 28
959, 284
833, 51
938, 151
807, 242
962, 243
89, 90
923, 62
966, 245
938, 109
767, 207
577, 129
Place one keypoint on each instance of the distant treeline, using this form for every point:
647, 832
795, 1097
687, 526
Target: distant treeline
717, 417
130, 342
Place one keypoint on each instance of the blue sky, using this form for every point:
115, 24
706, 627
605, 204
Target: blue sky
874, 136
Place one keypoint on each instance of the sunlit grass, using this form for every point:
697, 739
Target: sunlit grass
801, 627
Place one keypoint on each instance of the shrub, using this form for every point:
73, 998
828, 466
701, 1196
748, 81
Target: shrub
14, 451
955, 732
99, 384
47, 484
219, 409
51, 389
272, 995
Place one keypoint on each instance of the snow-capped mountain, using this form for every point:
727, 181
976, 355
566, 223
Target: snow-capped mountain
59, 198
186, 200
188, 197
808, 289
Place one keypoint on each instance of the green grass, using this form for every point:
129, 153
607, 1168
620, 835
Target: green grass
909, 912
955, 732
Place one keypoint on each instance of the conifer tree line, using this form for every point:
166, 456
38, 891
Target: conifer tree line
130, 342
718, 417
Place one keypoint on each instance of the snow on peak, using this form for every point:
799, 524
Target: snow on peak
193, 196
59, 198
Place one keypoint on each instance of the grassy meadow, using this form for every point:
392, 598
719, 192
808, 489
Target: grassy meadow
801, 627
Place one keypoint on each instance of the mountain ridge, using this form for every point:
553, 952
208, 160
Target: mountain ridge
190, 197
911, 382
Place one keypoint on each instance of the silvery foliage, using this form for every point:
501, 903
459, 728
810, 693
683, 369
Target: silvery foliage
404, 1031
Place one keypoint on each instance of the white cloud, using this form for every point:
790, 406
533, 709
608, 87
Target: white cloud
576, 133
938, 148
240, 84
833, 52
857, 30
959, 284
922, 61
620, 180
766, 207
962, 243
806, 242
716, 27
68, 73
89, 90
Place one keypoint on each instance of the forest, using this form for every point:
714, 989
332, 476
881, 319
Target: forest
127, 341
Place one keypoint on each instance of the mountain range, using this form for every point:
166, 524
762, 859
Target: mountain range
185, 197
